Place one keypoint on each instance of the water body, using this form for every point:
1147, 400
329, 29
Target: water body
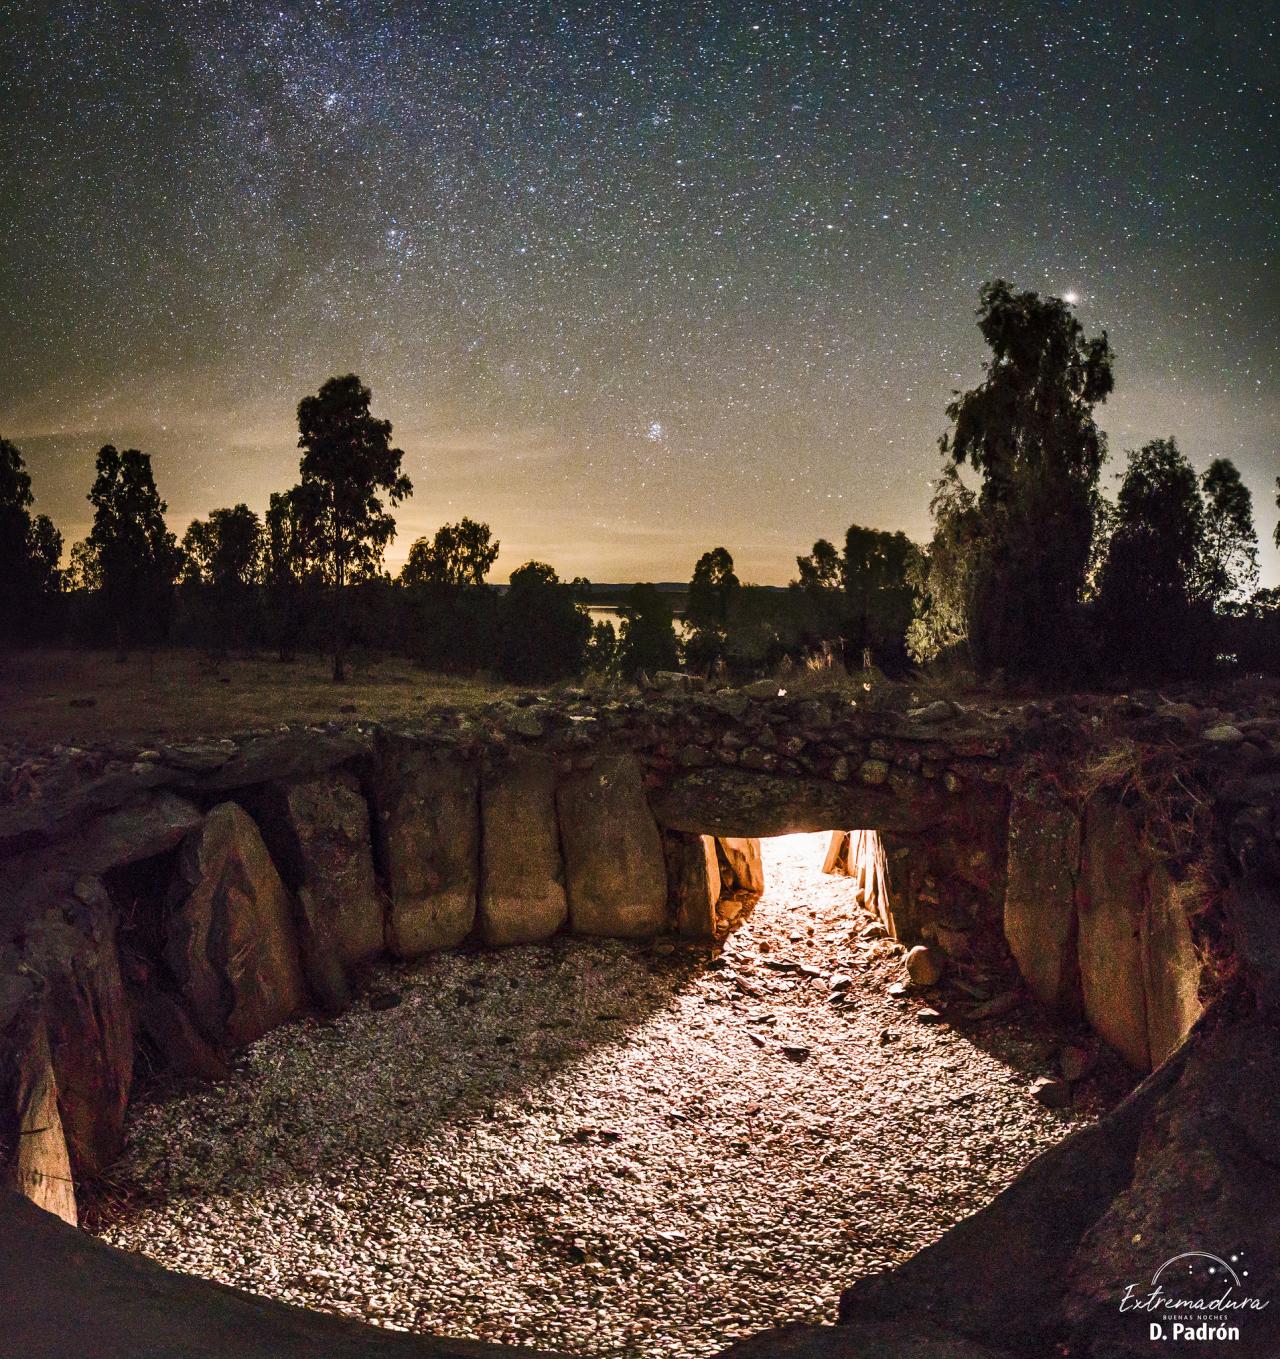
612, 613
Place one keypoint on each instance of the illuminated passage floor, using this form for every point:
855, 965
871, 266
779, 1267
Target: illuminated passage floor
605, 1149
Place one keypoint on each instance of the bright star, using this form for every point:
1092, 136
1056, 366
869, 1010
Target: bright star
1071, 297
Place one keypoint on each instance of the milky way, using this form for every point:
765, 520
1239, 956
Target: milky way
631, 280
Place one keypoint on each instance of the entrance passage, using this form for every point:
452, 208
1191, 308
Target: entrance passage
748, 867
859, 855
597, 1147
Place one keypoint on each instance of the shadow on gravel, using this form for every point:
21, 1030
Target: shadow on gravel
492, 1027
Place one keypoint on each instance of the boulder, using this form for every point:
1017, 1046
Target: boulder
941, 710
1040, 897
693, 878
289, 756
150, 825
33, 1149
614, 869
1110, 900
836, 860
522, 895
317, 831
427, 814
1206, 1176
68, 940
741, 867
1225, 734
924, 965
230, 941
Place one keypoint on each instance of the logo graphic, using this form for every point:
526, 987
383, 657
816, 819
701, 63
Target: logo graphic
1195, 1296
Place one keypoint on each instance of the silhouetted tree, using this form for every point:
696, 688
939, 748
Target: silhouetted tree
135, 559
30, 548
1228, 566
647, 642
767, 626
224, 550
459, 554
820, 586
879, 597
601, 655
542, 632
292, 560
1028, 430
820, 570
1147, 589
712, 590
221, 572
82, 571
348, 456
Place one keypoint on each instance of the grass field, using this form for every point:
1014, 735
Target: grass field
89, 698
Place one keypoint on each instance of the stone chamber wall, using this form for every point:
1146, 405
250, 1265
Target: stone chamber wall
160, 909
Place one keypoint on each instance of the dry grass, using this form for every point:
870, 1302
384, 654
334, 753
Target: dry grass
1176, 821
180, 694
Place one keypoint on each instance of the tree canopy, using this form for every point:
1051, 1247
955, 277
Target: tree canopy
647, 642
711, 590
1028, 431
348, 457
134, 557
1179, 548
542, 633
225, 550
1228, 567
459, 554
30, 549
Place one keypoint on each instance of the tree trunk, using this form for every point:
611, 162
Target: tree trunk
339, 628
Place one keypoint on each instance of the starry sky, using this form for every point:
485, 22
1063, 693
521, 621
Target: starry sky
631, 279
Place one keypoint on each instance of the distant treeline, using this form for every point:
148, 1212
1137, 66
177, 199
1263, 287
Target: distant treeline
1031, 572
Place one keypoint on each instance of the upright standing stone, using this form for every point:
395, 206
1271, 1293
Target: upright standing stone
428, 822
1040, 897
318, 833
69, 940
617, 881
741, 864
229, 935
33, 1149
1109, 947
836, 861
522, 896
1170, 966
693, 877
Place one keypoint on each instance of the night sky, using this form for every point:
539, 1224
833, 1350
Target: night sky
631, 280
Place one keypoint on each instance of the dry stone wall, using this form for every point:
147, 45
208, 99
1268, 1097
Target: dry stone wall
186, 899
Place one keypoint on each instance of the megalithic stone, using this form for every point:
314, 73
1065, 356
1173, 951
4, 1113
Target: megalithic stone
614, 869
693, 877
522, 892
427, 819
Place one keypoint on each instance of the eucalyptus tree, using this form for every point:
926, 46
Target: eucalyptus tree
1028, 432
349, 462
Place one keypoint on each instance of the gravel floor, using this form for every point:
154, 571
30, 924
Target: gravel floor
600, 1148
